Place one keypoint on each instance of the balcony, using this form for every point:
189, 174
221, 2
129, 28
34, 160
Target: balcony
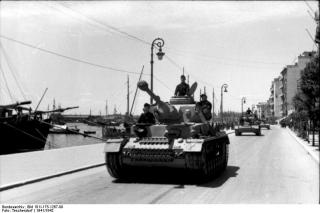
271, 99
272, 89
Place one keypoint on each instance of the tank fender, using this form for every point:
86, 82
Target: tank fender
113, 145
193, 145
222, 136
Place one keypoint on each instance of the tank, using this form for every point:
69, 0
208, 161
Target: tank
181, 139
248, 124
264, 124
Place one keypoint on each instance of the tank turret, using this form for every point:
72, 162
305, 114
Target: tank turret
164, 112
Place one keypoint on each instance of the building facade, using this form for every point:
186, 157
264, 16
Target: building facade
263, 110
275, 99
289, 79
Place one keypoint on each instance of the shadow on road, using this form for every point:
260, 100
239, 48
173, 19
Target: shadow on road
230, 172
178, 177
250, 135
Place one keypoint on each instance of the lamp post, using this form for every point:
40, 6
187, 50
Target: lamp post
225, 86
243, 101
159, 43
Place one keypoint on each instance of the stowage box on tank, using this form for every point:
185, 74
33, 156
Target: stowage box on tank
182, 138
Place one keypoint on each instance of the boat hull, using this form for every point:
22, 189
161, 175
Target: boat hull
23, 135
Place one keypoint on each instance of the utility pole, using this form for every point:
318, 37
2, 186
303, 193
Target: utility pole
135, 94
212, 105
106, 107
128, 98
54, 104
221, 107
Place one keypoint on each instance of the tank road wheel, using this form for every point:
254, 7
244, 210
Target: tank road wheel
114, 165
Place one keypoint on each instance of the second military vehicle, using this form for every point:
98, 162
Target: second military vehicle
181, 138
264, 124
247, 124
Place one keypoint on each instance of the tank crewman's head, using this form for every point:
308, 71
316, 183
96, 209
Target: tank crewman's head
203, 97
146, 107
183, 78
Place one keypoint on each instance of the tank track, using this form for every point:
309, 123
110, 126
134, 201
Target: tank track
208, 163
115, 166
212, 160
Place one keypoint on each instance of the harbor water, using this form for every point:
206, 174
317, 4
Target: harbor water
56, 141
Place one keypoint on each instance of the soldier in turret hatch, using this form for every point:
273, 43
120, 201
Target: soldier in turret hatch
205, 106
147, 117
182, 89
249, 112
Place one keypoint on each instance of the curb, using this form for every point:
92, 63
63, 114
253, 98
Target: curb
312, 154
14, 185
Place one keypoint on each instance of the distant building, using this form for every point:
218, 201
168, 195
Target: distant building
263, 110
289, 78
275, 99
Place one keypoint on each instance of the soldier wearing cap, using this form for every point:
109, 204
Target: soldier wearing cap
249, 112
205, 106
182, 89
146, 117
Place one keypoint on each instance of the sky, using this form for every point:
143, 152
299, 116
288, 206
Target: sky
83, 51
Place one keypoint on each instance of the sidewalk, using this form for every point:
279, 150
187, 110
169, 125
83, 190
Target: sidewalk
22, 168
312, 150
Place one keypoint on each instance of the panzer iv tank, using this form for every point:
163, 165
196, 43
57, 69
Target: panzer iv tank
248, 124
182, 138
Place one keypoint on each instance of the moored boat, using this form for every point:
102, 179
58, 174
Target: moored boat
21, 132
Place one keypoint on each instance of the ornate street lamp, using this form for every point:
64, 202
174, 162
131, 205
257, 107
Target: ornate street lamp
224, 86
158, 42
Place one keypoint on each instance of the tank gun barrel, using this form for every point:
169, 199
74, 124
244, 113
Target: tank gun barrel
166, 113
143, 85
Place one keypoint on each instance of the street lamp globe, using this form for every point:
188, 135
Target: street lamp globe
160, 54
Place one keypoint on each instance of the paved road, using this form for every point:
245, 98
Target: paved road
272, 168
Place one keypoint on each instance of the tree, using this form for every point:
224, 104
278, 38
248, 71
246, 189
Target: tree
310, 85
306, 101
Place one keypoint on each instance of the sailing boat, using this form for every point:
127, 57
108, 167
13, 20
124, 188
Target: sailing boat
22, 131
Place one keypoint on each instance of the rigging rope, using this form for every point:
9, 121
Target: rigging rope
6, 83
12, 71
